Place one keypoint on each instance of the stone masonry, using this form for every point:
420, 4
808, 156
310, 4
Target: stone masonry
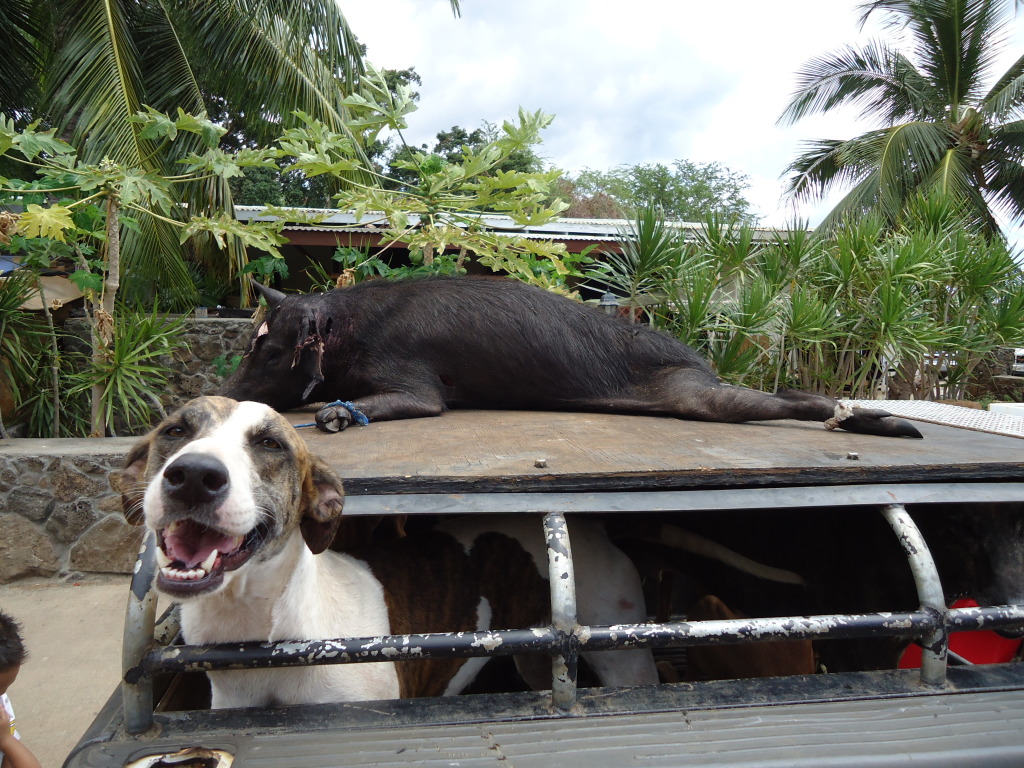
194, 370
59, 513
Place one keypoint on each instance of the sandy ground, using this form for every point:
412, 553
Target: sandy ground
73, 634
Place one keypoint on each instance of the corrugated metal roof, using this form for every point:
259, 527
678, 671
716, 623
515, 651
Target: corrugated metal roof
601, 230
949, 415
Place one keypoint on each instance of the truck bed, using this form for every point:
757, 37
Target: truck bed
498, 451
484, 462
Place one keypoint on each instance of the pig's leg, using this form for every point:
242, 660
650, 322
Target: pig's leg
698, 395
384, 406
700, 400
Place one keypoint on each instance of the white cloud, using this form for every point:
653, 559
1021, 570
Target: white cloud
640, 82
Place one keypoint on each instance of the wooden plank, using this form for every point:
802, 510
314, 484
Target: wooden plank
466, 450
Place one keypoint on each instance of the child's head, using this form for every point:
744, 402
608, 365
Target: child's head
12, 651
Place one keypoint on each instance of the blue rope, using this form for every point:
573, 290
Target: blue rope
358, 416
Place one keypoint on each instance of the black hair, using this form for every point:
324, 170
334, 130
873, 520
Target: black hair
12, 649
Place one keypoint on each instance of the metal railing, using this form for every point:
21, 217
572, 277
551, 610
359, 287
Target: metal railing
563, 639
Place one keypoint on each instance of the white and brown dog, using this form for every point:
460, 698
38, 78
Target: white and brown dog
244, 514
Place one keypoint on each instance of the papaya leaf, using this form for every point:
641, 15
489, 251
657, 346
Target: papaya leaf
52, 221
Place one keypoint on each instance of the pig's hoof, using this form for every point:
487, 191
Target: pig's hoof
869, 421
333, 418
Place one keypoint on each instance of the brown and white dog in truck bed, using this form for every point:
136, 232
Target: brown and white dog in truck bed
244, 514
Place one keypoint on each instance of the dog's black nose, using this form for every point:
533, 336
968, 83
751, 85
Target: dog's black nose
196, 478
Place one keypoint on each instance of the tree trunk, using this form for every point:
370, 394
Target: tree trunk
103, 328
55, 357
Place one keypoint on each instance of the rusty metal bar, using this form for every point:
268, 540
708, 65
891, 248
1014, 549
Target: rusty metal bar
140, 616
934, 643
253, 655
562, 583
256, 655
987, 617
736, 631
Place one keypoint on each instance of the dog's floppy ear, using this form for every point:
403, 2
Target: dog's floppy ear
323, 498
130, 481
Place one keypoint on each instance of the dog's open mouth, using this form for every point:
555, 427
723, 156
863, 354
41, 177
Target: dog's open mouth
193, 557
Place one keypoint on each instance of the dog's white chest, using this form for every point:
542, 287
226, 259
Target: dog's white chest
327, 596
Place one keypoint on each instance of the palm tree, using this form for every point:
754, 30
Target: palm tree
97, 62
945, 125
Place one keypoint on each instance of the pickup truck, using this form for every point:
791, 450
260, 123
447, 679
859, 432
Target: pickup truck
781, 487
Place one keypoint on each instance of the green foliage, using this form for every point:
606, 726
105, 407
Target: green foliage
133, 373
686, 191
224, 366
949, 125
450, 147
357, 265
87, 67
440, 214
23, 337
911, 312
652, 256
267, 268
258, 186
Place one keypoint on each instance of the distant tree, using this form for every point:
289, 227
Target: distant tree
265, 186
946, 124
686, 191
451, 147
598, 205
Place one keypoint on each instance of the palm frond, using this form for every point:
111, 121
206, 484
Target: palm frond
272, 57
1004, 170
906, 155
153, 263
953, 175
860, 200
954, 46
170, 80
21, 33
954, 43
815, 170
953, 180
95, 82
875, 77
1006, 98
829, 163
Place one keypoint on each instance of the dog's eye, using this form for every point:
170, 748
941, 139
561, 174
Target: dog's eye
269, 444
175, 431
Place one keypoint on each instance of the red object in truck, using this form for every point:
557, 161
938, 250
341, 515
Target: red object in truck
982, 647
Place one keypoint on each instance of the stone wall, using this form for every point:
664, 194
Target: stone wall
193, 370
59, 515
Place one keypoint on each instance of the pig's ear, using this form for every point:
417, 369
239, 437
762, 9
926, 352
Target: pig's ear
130, 481
322, 500
272, 296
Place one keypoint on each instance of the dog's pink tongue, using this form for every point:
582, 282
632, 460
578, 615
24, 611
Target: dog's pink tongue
192, 543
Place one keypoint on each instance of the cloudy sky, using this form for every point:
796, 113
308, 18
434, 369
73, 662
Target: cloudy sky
646, 81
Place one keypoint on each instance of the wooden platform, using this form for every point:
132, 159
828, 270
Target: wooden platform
482, 451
